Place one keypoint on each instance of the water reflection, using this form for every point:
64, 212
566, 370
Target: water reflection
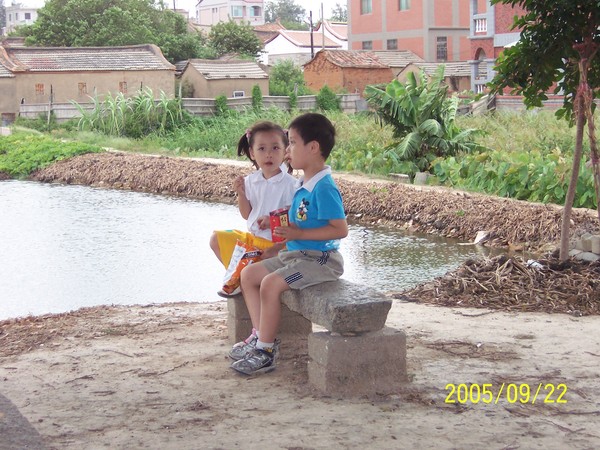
64, 247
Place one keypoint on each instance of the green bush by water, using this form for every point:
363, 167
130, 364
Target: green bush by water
23, 153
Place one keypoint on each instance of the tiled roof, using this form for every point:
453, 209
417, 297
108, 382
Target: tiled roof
4, 72
63, 59
400, 58
452, 68
338, 29
269, 27
302, 39
217, 70
353, 58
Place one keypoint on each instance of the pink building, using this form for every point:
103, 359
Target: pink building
211, 12
435, 30
490, 34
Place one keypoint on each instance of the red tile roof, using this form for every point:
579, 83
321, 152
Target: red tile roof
302, 39
353, 58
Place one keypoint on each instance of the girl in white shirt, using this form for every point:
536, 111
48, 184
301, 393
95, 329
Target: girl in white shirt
270, 188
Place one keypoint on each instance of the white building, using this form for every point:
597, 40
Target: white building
18, 15
211, 12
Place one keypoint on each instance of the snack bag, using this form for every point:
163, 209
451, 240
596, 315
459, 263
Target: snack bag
278, 218
243, 255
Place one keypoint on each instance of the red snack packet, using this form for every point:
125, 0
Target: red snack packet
278, 218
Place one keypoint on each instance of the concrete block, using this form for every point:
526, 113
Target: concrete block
240, 326
595, 244
367, 364
340, 306
585, 244
588, 256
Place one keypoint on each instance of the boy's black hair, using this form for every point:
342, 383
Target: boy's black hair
316, 127
247, 139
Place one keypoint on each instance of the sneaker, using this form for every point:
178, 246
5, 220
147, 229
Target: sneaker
224, 294
242, 348
258, 361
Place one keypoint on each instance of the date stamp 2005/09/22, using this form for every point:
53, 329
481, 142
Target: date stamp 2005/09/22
510, 392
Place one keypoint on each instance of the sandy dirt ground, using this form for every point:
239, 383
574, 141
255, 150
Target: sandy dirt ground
157, 377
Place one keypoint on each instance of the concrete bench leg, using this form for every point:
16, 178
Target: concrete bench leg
367, 364
240, 325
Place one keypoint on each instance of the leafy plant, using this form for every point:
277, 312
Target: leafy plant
327, 100
257, 98
286, 78
221, 107
423, 118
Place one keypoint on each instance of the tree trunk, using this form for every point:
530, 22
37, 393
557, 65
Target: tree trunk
566, 215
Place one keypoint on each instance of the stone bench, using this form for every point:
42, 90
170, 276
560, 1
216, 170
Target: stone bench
357, 355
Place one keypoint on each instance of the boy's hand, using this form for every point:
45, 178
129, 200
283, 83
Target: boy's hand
239, 187
289, 233
263, 222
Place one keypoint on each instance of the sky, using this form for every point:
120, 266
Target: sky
190, 5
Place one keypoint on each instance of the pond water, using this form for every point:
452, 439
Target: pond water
65, 247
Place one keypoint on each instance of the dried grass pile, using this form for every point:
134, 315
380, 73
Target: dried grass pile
512, 284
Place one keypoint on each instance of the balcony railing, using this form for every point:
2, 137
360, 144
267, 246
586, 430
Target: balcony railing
481, 25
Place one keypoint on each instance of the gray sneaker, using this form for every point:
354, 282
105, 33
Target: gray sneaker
241, 349
258, 361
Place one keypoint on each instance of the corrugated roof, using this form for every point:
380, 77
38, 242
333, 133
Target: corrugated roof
452, 68
62, 59
217, 69
353, 58
399, 58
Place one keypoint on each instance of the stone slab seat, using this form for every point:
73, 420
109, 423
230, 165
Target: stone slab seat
340, 306
358, 355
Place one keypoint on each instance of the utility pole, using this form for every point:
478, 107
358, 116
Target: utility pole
322, 28
312, 46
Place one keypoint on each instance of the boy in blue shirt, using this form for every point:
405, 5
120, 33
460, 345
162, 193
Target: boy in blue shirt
317, 223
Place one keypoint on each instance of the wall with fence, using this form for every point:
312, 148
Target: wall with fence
350, 103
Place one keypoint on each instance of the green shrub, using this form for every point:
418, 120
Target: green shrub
257, 98
293, 101
221, 107
327, 100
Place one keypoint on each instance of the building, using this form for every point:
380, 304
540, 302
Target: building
490, 33
210, 78
298, 46
211, 12
336, 31
457, 74
435, 30
397, 60
38, 75
346, 70
18, 15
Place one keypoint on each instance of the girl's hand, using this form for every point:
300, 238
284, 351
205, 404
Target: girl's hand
239, 187
289, 233
263, 222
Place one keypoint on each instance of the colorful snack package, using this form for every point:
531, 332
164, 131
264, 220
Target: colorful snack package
243, 255
278, 218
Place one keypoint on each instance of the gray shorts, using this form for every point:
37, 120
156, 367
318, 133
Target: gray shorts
303, 268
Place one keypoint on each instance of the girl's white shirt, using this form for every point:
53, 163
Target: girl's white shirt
266, 195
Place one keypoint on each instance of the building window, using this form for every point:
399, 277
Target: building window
27, 16
403, 5
39, 89
10, 17
480, 25
367, 45
366, 6
123, 87
392, 44
82, 88
255, 11
239, 94
442, 48
215, 10
16, 17
237, 11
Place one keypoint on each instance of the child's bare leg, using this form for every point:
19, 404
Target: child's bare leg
214, 245
271, 288
251, 278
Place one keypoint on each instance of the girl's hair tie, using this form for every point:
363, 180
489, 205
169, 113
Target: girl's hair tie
248, 134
